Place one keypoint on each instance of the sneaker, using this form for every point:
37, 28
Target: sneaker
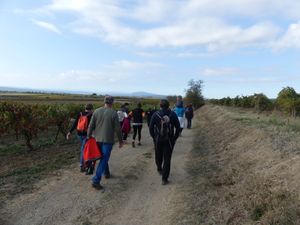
97, 186
133, 144
139, 144
82, 169
164, 182
107, 176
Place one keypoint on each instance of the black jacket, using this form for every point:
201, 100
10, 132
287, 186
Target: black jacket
155, 122
74, 125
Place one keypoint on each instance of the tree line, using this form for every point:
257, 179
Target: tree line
287, 102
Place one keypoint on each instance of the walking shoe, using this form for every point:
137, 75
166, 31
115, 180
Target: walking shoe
133, 144
82, 169
107, 176
139, 144
97, 186
164, 182
89, 171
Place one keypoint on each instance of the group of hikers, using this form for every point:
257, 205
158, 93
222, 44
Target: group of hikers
101, 126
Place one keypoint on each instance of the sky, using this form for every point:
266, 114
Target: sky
236, 47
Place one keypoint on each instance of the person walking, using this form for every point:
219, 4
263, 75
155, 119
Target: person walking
124, 121
81, 125
180, 110
104, 125
137, 116
149, 114
162, 126
189, 114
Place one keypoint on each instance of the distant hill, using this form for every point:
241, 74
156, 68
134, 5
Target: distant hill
133, 94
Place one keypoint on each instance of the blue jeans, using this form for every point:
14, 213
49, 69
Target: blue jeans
102, 166
82, 140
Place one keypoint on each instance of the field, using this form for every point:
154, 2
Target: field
233, 167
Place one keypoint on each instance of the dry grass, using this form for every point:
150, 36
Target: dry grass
240, 174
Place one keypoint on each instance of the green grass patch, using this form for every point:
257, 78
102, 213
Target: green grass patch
267, 122
12, 149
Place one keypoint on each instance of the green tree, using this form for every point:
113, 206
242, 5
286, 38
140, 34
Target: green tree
262, 103
288, 101
194, 93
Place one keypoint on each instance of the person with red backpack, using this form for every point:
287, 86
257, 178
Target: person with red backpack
104, 126
81, 124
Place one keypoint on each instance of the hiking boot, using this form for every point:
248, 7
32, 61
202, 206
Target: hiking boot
97, 186
164, 182
139, 144
82, 169
89, 171
159, 172
133, 144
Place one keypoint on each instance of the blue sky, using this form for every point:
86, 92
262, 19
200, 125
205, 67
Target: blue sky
237, 47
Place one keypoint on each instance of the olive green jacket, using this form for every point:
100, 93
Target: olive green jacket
104, 125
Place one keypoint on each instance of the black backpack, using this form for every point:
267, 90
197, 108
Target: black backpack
163, 129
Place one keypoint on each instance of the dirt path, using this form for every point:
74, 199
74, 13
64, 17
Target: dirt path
134, 194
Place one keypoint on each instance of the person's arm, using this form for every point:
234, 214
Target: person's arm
73, 127
92, 126
151, 125
118, 130
176, 125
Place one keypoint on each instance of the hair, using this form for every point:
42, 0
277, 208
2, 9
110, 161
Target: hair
89, 107
164, 103
139, 105
108, 100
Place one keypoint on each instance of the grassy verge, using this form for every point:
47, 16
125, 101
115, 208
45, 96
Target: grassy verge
225, 185
266, 121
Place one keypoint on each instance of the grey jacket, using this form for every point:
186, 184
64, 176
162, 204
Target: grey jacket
104, 125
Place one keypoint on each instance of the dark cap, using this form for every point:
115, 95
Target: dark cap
164, 103
108, 99
89, 107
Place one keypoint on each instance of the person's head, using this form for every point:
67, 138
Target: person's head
139, 105
89, 107
164, 104
179, 103
108, 100
179, 98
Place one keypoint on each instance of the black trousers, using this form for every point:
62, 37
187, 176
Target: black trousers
163, 154
189, 123
137, 129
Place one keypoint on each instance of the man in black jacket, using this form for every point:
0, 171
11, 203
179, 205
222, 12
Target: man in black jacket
162, 126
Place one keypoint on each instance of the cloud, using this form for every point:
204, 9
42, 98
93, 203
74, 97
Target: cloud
290, 39
48, 26
211, 72
178, 24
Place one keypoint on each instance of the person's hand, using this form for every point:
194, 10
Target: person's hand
68, 135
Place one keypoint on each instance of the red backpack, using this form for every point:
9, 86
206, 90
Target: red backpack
91, 151
83, 123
